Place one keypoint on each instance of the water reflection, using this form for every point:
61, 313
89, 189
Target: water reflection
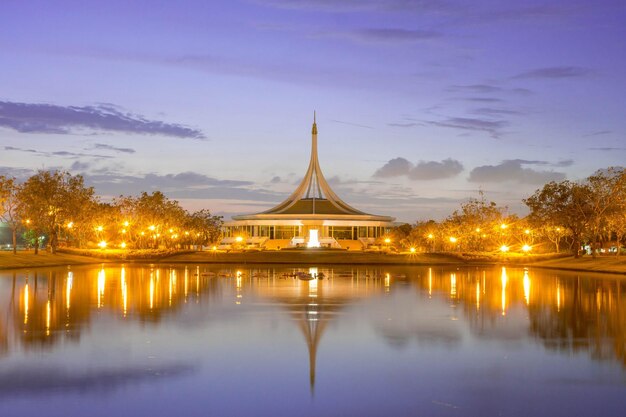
44, 309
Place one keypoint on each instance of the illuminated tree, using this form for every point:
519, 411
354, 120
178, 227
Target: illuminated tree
203, 227
8, 206
605, 187
476, 225
49, 200
563, 203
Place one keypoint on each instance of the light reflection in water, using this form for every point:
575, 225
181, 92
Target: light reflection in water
26, 303
526, 287
477, 295
101, 284
309, 305
503, 280
68, 290
238, 288
453, 285
124, 291
430, 282
186, 283
48, 314
151, 291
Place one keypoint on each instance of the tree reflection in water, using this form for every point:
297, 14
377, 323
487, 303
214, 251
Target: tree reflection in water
567, 313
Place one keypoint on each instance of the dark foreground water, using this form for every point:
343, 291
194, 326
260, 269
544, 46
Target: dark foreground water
363, 341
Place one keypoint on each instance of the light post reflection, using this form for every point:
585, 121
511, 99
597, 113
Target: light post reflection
503, 280
101, 284
526, 287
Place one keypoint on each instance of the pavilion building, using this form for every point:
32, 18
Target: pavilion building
312, 216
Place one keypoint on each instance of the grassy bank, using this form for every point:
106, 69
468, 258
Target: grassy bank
317, 257
608, 264
27, 259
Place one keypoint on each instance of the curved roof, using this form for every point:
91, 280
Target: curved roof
313, 196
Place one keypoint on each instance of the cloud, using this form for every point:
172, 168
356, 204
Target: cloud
66, 154
113, 148
484, 99
410, 124
607, 149
183, 185
564, 163
423, 170
513, 171
394, 168
50, 118
356, 5
496, 112
275, 180
598, 133
433, 170
475, 88
80, 166
554, 73
351, 124
492, 127
389, 35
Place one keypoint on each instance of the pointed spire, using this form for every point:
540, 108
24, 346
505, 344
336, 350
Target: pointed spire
314, 130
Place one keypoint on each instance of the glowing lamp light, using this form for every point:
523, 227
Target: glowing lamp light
504, 248
214, 248
126, 223
123, 231
171, 230
430, 236
387, 241
478, 230
527, 231
27, 221
239, 239
412, 250
123, 245
526, 248
503, 226
452, 239
70, 225
313, 239
152, 227
102, 244
99, 228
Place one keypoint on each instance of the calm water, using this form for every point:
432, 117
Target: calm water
393, 341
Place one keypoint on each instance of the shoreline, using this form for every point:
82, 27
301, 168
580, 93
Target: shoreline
602, 264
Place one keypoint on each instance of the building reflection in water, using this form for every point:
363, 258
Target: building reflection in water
564, 312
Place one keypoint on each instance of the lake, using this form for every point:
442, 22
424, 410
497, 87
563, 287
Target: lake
219, 340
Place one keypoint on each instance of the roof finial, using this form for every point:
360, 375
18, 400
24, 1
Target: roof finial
314, 130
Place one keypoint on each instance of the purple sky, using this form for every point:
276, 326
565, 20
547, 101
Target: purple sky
420, 103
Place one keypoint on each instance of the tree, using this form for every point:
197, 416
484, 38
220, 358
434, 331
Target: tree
203, 228
50, 199
476, 224
8, 206
563, 203
616, 219
604, 191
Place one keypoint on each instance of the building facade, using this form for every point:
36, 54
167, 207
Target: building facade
312, 216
